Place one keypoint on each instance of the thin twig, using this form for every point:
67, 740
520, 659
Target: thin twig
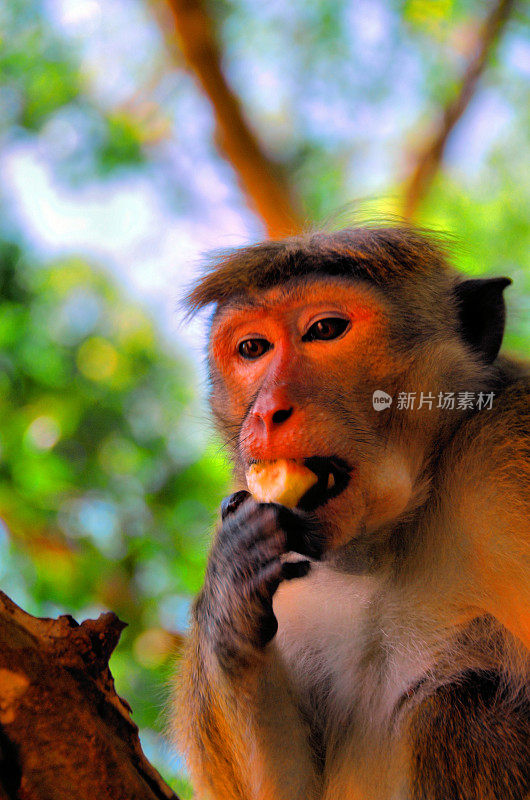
430, 157
261, 179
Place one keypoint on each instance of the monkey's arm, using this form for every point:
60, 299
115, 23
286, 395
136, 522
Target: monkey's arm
243, 738
237, 721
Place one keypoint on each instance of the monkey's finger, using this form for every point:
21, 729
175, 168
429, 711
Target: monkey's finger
268, 628
265, 550
304, 534
265, 582
232, 502
295, 569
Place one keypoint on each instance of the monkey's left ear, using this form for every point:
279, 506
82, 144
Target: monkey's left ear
482, 314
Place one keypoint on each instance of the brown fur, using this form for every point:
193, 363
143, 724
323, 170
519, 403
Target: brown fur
451, 757
384, 256
400, 667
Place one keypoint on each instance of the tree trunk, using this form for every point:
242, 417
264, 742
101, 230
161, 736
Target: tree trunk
64, 732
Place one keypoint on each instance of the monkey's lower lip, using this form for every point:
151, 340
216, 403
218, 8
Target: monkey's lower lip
333, 475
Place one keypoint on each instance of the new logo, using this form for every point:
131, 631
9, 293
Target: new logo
381, 400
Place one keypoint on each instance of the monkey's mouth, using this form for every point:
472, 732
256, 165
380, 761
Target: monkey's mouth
333, 474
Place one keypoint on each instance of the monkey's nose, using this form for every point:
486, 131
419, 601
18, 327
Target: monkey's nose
282, 415
271, 418
272, 408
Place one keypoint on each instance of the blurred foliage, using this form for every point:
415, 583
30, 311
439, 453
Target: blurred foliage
104, 486
342, 91
108, 486
41, 85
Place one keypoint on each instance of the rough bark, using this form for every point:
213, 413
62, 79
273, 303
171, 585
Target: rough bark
429, 157
261, 179
64, 732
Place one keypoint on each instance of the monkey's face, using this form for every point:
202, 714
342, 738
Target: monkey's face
294, 370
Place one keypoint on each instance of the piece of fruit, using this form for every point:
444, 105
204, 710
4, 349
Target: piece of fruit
282, 481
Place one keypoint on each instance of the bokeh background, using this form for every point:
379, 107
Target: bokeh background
134, 136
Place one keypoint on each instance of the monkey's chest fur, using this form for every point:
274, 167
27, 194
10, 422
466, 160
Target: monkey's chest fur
346, 647
349, 668
359, 661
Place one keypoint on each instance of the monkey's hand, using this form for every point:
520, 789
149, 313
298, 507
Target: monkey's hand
234, 609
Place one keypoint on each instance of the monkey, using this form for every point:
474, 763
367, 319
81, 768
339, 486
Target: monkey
373, 642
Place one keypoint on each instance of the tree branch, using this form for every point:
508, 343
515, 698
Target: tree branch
428, 160
262, 181
64, 732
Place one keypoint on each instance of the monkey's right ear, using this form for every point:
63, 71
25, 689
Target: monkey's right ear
482, 314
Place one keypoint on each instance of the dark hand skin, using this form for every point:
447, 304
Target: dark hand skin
234, 609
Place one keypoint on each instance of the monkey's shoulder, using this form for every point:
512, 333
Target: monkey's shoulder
497, 437
512, 401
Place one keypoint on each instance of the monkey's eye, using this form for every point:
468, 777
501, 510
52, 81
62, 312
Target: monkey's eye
253, 348
325, 329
